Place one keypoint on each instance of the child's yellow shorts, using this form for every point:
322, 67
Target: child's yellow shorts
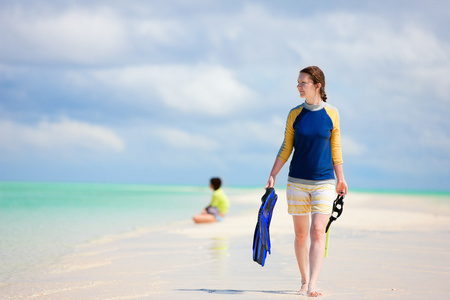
304, 199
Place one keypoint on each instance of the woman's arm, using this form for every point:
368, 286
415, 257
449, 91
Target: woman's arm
278, 164
341, 185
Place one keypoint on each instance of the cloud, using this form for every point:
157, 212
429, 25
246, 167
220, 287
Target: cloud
351, 147
181, 139
396, 56
218, 78
64, 135
202, 89
154, 32
198, 89
436, 141
75, 36
264, 135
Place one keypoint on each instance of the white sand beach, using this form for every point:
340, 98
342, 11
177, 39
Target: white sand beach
382, 247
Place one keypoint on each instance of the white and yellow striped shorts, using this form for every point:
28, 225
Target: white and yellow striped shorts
305, 199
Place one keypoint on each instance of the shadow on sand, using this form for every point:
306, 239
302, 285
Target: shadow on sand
234, 292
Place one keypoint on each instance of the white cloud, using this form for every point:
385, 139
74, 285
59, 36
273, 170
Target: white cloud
365, 40
181, 139
352, 147
211, 90
402, 57
65, 135
75, 36
85, 34
158, 32
266, 133
387, 73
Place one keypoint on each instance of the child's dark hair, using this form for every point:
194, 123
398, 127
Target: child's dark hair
216, 183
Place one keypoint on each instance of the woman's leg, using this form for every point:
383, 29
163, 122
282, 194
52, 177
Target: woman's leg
301, 228
317, 250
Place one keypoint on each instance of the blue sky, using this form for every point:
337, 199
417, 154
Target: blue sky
174, 92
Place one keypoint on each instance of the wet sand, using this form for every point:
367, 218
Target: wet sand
382, 247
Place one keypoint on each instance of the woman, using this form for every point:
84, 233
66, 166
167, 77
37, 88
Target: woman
312, 130
217, 208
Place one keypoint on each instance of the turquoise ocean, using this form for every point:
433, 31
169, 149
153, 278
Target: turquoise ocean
42, 222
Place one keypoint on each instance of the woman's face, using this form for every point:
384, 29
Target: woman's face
306, 86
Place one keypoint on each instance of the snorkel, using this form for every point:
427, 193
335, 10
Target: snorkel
338, 208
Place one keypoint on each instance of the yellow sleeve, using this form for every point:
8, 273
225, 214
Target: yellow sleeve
336, 151
288, 142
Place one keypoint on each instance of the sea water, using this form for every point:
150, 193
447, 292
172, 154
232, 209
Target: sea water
41, 222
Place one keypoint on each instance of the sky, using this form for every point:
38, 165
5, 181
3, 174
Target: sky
176, 92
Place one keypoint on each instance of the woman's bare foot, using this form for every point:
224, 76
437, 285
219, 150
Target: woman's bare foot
314, 294
304, 289
312, 290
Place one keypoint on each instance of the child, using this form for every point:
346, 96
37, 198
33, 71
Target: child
218, 207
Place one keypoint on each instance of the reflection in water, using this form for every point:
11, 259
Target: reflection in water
219, 253
219, 247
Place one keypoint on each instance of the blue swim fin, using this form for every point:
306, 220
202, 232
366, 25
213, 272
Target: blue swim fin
259, 252
261, 238
264, 222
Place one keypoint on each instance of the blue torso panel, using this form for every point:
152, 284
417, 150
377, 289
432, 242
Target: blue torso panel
312, 158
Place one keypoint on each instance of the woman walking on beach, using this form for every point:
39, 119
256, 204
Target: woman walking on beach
312, 131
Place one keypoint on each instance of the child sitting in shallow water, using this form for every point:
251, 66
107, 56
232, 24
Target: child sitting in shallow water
217, 208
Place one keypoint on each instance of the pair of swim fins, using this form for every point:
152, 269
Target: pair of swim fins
261, 238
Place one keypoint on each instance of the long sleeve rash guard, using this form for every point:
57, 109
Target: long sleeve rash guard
313, 132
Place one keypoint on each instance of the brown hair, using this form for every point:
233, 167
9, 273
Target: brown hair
317, 76
216, 183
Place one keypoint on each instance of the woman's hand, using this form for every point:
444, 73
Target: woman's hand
270, 182
341, 187
278, 164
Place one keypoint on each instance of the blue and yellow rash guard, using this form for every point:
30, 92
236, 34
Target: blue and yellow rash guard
313, 132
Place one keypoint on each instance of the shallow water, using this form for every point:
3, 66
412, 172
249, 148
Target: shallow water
40, 222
